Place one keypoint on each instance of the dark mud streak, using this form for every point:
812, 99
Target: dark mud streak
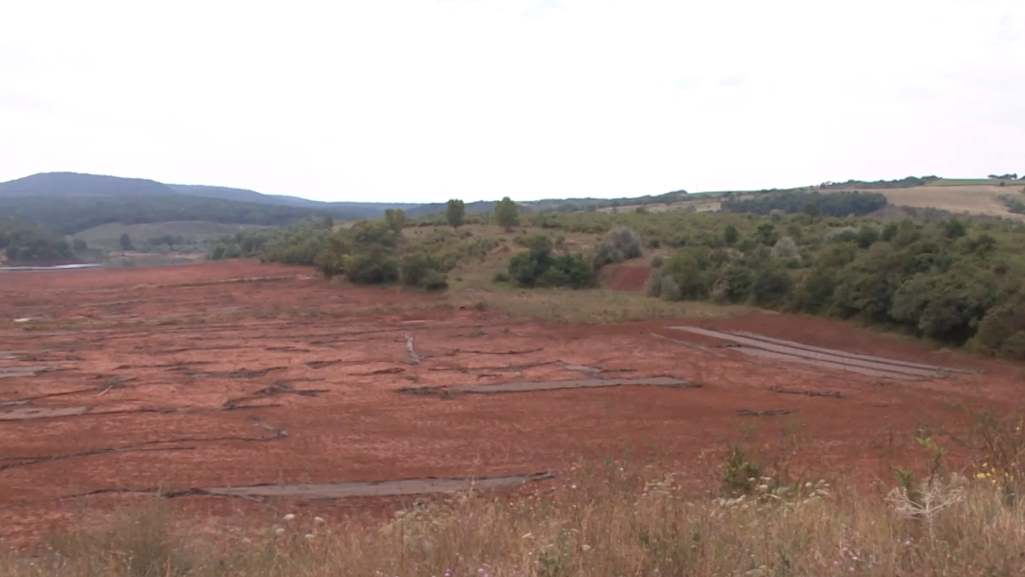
278, 388
807, 392
343, 490
147, 446
479, 352
531, 386
764, 413
156, 410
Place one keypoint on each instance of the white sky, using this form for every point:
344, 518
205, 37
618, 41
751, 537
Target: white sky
425, 100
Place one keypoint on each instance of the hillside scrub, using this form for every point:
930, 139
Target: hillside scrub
369, 252
833, 204
950, 280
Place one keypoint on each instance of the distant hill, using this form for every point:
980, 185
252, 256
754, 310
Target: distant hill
72, 202
70, 184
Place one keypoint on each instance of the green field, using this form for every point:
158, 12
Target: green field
967, 182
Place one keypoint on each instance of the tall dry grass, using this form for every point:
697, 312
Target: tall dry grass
608, 521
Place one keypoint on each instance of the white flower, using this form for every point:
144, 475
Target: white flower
318, 520
280, 531
290, 516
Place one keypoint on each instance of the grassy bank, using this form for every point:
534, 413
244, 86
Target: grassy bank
615, 523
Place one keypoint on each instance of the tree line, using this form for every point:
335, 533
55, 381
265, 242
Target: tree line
813, 203
26, 242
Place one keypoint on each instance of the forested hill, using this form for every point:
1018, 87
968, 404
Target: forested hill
72, 202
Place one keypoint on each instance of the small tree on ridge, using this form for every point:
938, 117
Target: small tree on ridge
455, 213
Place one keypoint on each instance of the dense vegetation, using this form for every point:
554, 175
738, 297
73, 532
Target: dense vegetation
75, 214
369, 252
1014, 204
540, 266
906, 182
26, 242
835, 204
953, 281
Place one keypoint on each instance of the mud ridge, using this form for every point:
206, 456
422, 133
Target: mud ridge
278, 388
530, 386
31, 371
807, 392
236, 374
480, 352
343, 490
764, 413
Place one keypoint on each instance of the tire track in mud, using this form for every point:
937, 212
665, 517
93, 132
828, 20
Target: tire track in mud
878, 367
846, 354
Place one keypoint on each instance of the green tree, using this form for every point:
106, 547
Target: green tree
126, 241
396, 219
731, 235
455, 213
766, 234
507, 214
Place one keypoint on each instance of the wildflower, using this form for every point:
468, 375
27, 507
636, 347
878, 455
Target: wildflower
310, 535
279, 531
289, 516
318, 520
586, 547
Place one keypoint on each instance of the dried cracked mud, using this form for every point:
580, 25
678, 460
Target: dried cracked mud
237, 381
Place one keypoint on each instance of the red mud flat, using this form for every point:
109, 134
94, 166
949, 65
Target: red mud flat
238, 383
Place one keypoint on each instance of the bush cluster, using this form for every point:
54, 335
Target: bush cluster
540, 266
950, 281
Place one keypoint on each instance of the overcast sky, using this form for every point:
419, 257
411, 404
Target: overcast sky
425, 100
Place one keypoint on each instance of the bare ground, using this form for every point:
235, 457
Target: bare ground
206, 381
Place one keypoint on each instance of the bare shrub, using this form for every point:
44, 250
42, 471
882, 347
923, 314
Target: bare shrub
785, 247
843, 234
617, 245
655, 282
670, 290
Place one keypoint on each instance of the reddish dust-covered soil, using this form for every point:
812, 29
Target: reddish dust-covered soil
206, 380
627, 276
